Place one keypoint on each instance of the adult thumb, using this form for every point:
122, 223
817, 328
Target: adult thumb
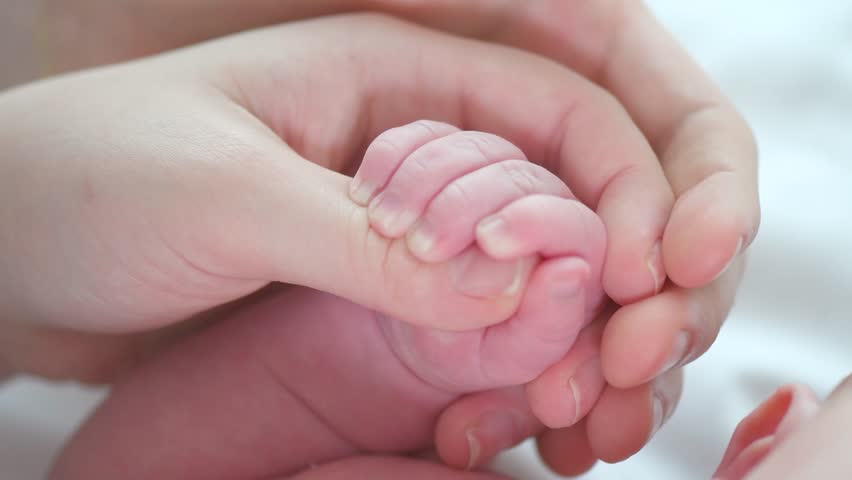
303, 229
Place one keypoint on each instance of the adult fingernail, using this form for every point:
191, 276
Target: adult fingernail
387, 211
666, 391
477, 275
587, 374
421, 239
679, 353
494, 235
734, 256
659, 413
474, 448
360, 191
492, 433
656, 266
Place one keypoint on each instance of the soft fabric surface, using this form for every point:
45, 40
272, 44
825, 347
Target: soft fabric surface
788, 66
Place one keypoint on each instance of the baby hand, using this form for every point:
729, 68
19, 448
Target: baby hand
471, 198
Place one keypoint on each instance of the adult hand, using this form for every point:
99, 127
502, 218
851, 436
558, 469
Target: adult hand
177, 193
704, 147
616, 44
203, 128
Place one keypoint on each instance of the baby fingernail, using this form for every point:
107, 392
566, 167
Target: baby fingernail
568, 287
737, 251
421, 239
494, 235
587, 375
387, 210
656, 266
515, 286
679, 352
477, 275
360, 192
492, 433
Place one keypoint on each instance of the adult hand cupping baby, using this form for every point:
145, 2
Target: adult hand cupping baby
176, 194
706, 153
704, 147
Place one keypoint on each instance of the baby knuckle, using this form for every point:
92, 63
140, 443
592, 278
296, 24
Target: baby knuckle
431, 127
416, 167
456, 194
383, 146
522, 175
481, 144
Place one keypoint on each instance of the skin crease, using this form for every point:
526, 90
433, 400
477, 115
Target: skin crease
678, 124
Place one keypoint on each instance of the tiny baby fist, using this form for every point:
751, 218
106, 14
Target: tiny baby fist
433, 184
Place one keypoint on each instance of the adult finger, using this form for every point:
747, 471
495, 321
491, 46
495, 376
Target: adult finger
566, 451
564, 393
706, 148
478, 426
619, 425
651, 337
623, 421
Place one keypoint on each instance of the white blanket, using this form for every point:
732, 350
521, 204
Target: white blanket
788, 65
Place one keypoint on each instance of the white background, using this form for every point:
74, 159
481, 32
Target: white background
788, 65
